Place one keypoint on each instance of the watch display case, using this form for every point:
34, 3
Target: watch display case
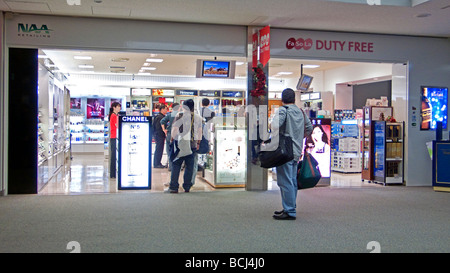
225, 164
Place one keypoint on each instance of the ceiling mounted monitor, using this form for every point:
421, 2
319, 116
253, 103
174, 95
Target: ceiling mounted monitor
216, 69
304, 82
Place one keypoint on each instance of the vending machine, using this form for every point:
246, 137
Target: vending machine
134, 153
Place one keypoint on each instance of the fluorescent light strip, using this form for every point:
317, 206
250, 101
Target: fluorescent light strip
154, 60
311, 66
82, 57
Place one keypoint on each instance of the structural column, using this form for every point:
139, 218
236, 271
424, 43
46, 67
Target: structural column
256, 176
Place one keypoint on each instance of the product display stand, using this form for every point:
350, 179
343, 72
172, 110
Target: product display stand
225, 163
388, 151
370, 114
345, 155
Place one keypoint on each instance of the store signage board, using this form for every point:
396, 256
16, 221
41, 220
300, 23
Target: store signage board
134, 153
232, 94
187, 93
163, 92
264, 39
304, 97
140, 92
59, 31
205, 93
314, 96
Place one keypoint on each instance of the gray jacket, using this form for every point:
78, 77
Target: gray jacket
297, 125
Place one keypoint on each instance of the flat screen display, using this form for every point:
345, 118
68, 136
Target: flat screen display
433, 107
216, 69
318, 144
304, 82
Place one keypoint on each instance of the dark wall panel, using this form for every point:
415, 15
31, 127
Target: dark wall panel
23, 121
375, 90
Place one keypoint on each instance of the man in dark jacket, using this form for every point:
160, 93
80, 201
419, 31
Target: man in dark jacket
159, 136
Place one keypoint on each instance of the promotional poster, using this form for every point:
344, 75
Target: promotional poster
95, 108
318, 144
434, 107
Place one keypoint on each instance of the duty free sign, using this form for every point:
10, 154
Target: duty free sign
329, 45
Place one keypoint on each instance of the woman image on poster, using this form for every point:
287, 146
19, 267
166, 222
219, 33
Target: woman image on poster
318, 146
95, 108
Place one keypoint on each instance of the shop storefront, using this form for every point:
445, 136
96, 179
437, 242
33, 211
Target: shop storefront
29, 33
426, 61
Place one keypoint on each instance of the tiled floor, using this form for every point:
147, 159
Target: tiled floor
90, 174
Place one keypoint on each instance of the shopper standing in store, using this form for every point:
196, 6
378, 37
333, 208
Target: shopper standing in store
159, 136
187, 131
297, 126
113, 125
166, 124
205, 112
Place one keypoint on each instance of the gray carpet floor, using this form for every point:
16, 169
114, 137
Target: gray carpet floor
400, 219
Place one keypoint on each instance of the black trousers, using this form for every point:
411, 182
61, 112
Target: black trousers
158, 150
112, 157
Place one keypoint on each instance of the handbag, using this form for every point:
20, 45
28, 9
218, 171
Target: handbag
282, 154
308, 173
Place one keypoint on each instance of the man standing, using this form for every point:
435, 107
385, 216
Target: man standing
159, 136
297, 125
166, 124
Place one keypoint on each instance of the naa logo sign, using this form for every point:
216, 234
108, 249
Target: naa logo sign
33, 30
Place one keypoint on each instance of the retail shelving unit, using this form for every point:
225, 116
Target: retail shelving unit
370, 114
389, 152
345, 155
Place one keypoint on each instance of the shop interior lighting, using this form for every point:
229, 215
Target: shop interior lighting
311, 66
43, 57
82, 57
154, 60
285, 73
148, 68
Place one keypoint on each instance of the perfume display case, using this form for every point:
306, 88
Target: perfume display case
134, 153
225, 163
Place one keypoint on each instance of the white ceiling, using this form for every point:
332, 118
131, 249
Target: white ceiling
300, 14
172, 65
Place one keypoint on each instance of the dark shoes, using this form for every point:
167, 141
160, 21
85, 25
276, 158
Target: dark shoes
160, 167
281, 215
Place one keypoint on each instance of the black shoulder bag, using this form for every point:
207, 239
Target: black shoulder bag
281, 154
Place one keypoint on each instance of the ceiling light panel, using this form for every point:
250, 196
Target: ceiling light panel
82, 57
154, 60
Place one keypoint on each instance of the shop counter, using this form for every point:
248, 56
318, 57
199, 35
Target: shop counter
441, 161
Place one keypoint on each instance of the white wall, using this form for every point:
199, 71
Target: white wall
344, 97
